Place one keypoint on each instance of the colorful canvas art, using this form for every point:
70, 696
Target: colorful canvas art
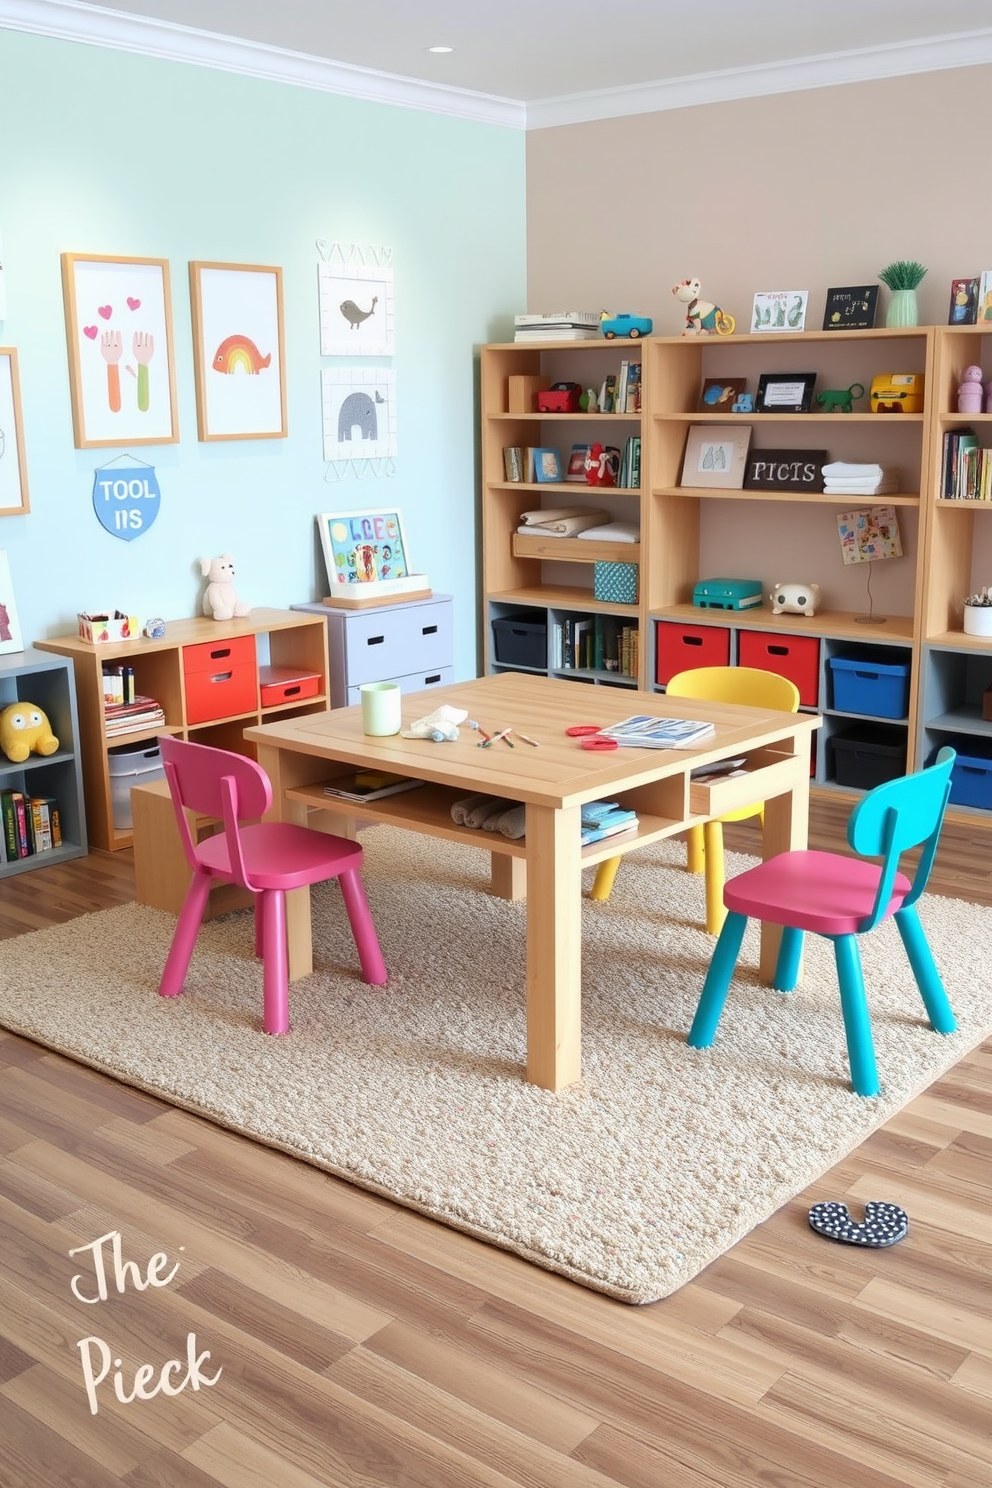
866, 536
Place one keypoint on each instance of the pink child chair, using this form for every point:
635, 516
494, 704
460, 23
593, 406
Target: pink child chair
267, 857
841, 898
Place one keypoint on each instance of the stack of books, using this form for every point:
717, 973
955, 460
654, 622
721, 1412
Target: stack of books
125, 718
966, 474
601, 819
28, 825
565, 325
644, 732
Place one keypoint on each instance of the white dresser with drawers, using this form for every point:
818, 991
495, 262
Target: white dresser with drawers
410, 642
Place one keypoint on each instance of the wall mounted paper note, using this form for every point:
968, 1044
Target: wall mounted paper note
869, 535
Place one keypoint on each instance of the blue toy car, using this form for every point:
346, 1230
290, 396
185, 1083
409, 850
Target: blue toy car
626, 325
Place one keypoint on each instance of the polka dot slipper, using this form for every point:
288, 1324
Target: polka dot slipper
884, 1224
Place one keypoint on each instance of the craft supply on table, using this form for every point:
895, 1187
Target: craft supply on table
591, 737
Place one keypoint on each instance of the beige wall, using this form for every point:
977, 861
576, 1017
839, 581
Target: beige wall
801, 190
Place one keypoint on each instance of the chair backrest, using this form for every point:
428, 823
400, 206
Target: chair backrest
217, 783
748, 685
896, 816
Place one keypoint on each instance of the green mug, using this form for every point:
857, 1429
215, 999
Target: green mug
380, 707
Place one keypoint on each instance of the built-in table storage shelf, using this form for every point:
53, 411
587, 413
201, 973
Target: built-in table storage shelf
205, 674
47, 681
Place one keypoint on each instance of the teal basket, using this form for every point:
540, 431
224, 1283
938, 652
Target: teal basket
615, 583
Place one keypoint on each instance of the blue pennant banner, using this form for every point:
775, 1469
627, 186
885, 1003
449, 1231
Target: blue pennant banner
126, 499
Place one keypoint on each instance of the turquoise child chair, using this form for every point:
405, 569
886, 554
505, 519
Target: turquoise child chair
842, 898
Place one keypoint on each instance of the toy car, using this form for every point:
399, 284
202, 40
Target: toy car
626, 325
560, 397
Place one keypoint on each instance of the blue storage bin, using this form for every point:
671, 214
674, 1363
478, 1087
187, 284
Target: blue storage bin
971, 777
875, 682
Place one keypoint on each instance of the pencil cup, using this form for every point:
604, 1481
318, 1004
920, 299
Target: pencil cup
380, 707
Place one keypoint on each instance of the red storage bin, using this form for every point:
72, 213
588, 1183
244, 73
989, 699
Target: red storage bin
286, 685
221, 679
682, 648
793, 656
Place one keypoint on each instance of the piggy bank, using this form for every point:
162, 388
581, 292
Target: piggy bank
796, 599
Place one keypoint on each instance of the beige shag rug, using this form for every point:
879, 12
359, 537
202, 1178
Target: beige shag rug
629, 1182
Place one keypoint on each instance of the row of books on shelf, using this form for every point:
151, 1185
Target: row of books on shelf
140, 713
601, 819
966, 473
626, 396
118, 684
28, 825
595, 643
541, 465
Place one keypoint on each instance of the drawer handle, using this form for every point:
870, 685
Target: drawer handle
428, 630
778, 650
692, 640
435, 678
222, 676
375, 640
291, 691
221, 652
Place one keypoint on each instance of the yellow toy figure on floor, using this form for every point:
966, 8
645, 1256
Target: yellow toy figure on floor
25, 729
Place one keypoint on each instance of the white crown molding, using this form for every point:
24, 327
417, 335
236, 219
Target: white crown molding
867, 64
94, 25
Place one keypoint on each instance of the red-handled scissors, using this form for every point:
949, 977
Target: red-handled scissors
590, 737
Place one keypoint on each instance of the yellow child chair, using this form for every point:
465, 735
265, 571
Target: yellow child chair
755, 689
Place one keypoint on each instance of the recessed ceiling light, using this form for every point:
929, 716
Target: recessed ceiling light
440, 49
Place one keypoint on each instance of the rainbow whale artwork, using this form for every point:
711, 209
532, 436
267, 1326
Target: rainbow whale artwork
238, 354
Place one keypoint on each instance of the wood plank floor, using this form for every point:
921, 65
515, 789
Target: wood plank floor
359, 1344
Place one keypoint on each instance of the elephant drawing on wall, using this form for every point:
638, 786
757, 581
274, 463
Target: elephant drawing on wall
359, 409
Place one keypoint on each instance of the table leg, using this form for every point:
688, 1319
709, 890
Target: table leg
554, 947
508, 876
786, 829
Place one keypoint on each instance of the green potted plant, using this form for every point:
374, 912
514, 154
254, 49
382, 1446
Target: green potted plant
903, 278
978, 613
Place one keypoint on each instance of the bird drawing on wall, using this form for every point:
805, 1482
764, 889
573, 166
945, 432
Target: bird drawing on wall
353, 315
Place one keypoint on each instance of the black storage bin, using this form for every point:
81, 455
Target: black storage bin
869, 755
519, 640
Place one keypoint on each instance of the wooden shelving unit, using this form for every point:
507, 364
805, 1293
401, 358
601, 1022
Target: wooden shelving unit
31, 677
163, 669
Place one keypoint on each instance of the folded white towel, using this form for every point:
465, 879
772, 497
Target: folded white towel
882, 490
460, 809
511, 823
887, 483
543, 515
625, 532
488, 806
842, 468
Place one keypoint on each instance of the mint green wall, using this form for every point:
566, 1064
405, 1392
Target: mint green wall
108, 153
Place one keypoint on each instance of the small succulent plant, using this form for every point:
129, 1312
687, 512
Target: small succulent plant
982, 600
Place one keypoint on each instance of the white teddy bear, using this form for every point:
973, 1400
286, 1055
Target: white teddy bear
220, 601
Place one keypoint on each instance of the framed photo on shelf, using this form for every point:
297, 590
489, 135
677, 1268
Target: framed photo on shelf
850, 308
715, 455
118, 321
547, 465
10, 630
13, 470
721, 393
785, 392
785, 470
576, 467
238, 353
779, 310
363, 547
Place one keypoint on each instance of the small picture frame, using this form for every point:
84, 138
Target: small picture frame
10, 630
14, 500
238, 351
785, 392
785, 470
850, 308
363, 547
779, 310
547, 466
575, 470
122, 380
963, 307
715, 455
721, 393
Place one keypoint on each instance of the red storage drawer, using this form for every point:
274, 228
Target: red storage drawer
793, 656
682, 648
221, 679
283, 684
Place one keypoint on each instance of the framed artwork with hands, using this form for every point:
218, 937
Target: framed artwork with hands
118, 321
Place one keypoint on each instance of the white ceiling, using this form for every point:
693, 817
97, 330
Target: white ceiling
538, 62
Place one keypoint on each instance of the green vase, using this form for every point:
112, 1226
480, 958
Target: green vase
902, 309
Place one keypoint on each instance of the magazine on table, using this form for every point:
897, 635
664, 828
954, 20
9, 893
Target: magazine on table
644, 732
